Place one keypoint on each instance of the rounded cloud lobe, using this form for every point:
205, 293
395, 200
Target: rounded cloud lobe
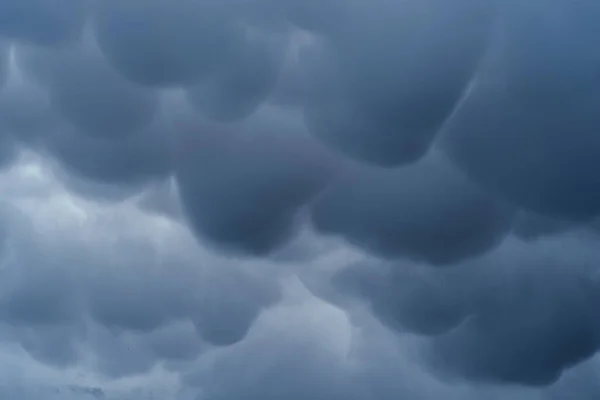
527, 128
163, 42
69, 288
175, 171
42, 22
427, 211
394, 73
242, 185
89, 94
523, 313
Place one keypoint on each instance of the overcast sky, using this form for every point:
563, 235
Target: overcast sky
299, 199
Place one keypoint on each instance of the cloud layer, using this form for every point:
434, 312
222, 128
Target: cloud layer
335, 199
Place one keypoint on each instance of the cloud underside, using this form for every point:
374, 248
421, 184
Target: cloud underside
302, 199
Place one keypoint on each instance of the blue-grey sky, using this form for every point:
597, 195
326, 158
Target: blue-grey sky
299, 199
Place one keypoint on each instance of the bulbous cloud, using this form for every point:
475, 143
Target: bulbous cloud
42, 22
166, 42
243, 80
25, 109
4, 61
427, 211
85, 91
394, 74
94, 165
522, 314
528, 128
532, 226
126, 287
242, 185
7, 148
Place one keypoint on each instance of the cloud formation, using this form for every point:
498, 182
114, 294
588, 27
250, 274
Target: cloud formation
426, 211
520, 314
334, 199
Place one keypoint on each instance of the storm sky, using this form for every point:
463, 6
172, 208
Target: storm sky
299, 199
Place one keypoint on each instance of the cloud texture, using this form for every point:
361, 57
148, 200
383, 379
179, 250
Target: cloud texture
299, 199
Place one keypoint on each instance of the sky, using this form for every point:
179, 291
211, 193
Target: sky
299, 199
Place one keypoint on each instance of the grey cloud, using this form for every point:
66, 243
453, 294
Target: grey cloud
8, 150
527, 129
523, 313
294, 358
532, 226
394, 74
312, 15
548, 51
162, 199
427, 211
243, 81
242, 185
4, 62
492, 129
581, 381
97, 166
25, 110
164, 42
54, 345
42, 22
87, 92
69, 292
243, 125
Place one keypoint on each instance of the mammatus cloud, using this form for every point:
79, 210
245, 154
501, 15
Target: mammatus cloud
426, 211
393, 72
42, 22
520, 314
300, 199
532, 106
242, 185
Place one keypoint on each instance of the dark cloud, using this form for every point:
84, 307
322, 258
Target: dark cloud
394, 74
242, 185
68, 291
162, 199
25, 109
8, 150
42, 22
4, 62
289, 89
427, 211
244, 79
312, 15
548, 51
532, 226
527, 129
87, 92
408, 134
521, 314
165, 42
103, 167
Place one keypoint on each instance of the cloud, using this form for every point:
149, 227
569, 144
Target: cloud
4, 58
85, 91
527, 129
99, 167
242, 185
335, 199
522, 314
94, 283
160, 42
379, 92
42, 22
243, 81
427, 211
